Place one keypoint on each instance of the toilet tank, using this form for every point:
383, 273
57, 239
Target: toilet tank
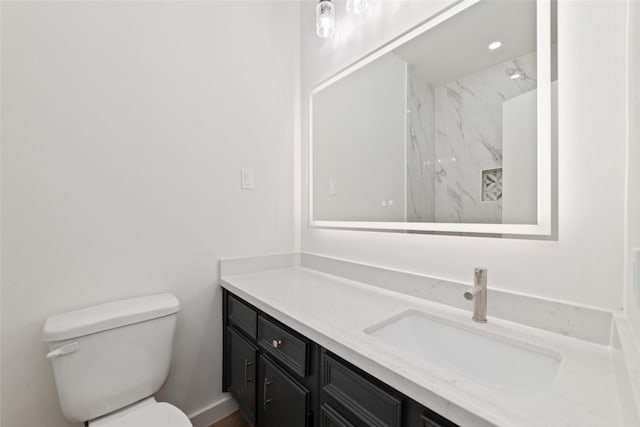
111, 355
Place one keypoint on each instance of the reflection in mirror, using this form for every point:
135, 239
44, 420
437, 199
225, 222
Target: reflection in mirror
441, 129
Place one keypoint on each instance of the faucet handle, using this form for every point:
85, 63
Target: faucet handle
480, 275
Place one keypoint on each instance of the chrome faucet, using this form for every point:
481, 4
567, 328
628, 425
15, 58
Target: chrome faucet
478, 294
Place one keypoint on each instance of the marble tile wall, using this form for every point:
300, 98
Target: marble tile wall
421, 150
454, 132
469, 138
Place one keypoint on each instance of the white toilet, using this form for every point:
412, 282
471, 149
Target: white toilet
109, 359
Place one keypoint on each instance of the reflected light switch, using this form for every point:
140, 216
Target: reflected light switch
333, 187
247, 181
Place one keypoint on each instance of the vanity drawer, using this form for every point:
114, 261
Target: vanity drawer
417, 415
426, 422
363, 400
431, 419
288, 348
242, 316
329, 417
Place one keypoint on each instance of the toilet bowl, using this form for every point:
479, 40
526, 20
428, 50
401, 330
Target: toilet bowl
110, 359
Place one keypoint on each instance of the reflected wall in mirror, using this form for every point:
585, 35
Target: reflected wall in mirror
440, 128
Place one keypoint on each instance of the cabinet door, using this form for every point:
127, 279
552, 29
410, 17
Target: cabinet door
417, 415
359, 398
431, 419
284, 401
329, 417
241, 371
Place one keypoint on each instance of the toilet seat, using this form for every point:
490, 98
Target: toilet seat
147, 413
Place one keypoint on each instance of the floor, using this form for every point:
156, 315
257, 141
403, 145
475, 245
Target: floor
234, 420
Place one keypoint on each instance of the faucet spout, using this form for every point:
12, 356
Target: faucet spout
469, 295
478, 294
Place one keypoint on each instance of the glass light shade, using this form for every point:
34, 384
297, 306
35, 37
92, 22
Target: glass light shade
325, 19
356, 6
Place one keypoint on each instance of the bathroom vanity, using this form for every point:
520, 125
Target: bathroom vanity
306, 348
281, 378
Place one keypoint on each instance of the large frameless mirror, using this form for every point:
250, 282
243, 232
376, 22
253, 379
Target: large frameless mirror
449, 128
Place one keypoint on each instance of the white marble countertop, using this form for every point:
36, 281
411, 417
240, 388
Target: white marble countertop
334, 312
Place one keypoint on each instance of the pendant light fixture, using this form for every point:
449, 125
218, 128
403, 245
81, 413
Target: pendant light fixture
356, 6
325, 19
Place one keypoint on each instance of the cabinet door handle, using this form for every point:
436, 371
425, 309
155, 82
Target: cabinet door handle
246, 365
276, 343
265, 401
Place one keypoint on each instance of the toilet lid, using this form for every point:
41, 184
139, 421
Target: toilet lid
155, 415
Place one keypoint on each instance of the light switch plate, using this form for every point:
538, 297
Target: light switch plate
333, 187
247, 179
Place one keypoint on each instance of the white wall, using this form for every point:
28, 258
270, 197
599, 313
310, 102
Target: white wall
519, 165
124, 129
359, 143
585, 264
633, 177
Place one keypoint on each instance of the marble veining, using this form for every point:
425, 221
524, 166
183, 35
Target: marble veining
457, 128
421, 150
470, 137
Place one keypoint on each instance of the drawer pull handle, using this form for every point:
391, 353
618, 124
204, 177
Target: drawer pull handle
246, 365
276, 343
265, 401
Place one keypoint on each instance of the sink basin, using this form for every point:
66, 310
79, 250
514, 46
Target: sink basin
482, 357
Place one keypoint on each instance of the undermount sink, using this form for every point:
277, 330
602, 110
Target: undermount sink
493, 361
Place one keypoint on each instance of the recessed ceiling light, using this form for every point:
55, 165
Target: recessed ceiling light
495, 45
515, 75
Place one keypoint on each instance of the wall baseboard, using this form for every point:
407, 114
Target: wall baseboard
213, 413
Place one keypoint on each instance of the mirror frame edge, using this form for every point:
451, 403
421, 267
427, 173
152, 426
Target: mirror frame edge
544, 226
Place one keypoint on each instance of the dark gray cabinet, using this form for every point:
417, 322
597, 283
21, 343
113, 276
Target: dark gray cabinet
285, 402
416, 415
242, 372
271, 370
329, 417
242, 316
358, 398
429, 422
282, 379
289, 349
